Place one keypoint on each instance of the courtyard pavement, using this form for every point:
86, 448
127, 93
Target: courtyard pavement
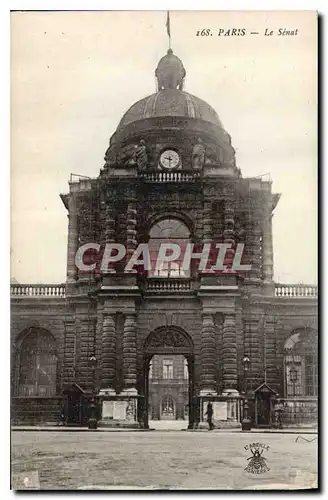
160, 460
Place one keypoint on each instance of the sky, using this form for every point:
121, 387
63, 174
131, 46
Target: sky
74, 74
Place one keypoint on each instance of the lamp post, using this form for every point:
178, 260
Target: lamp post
92, 423
245, 423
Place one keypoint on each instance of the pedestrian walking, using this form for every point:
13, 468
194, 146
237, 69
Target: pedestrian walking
209, 413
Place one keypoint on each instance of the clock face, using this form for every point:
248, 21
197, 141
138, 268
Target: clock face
169, 159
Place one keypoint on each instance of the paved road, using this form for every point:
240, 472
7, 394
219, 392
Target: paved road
158, 459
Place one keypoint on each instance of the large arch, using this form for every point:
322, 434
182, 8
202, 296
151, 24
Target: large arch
170, 340
301, 363
35, 363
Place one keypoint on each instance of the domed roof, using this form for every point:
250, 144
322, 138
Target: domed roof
170, 102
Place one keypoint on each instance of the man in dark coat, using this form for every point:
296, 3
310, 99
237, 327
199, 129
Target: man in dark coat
209, 413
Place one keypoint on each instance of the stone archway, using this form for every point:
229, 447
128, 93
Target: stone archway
170, 340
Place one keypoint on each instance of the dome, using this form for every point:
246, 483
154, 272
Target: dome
170, 102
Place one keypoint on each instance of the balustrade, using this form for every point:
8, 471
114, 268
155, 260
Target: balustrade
165, 177
282, 290
171, 285
59, 290
38, 290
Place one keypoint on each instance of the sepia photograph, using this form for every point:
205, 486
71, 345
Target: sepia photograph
163, 279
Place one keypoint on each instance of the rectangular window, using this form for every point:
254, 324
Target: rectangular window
167, 369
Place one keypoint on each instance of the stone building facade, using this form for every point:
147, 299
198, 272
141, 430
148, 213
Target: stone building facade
170, 175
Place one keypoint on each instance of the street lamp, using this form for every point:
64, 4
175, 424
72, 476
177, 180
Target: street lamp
245, 423
92, 423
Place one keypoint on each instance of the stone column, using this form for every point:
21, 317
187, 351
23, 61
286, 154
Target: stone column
131, 230
229, 229
267, 249
207, 232
110, 230
229, 354
108, 354
130, 355
208, 350
253, 346
72, 243
69, 351
270, 362
257, 249
207, 222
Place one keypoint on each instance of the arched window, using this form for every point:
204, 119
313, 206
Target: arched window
301, 364
168, 231
37, 364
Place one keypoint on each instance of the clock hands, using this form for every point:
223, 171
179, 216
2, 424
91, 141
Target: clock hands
168, 158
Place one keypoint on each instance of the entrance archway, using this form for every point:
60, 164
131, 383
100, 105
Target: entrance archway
169, 341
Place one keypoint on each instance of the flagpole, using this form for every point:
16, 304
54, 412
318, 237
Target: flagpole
168, 27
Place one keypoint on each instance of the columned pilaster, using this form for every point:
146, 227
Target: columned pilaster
208, 353
257, 249
207, 222
270, 363
72, 243
129, 354
110, 225
267, 248
253, 344
229, 353
108, 354
229, 229
69, 351
254, 245
131, 229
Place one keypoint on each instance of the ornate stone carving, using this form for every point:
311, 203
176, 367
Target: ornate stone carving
212, 155
127, 155
141, 155
198, 156
168, 338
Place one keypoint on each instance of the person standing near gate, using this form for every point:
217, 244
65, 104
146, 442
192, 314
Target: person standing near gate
209, 413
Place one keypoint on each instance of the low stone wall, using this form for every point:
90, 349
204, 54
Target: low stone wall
36, 410
300, 412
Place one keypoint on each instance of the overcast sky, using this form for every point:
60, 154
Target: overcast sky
75, 74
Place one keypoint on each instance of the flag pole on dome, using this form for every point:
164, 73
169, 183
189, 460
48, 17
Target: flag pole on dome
168, 27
